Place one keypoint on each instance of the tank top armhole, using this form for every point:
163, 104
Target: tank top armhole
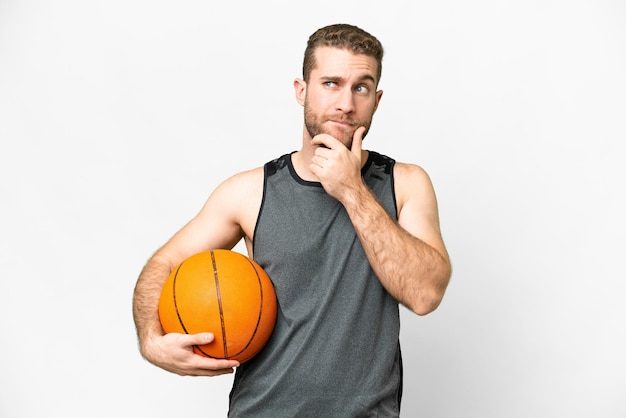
375, 157
268, 168
392, 184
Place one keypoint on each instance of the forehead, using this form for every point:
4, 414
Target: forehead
336, 62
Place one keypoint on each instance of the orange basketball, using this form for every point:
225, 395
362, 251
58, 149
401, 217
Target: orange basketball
223, 292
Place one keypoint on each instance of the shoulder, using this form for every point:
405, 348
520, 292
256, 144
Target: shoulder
412, 182
248, 185
243, 185
245, 177
410, 172
273, 166
381, 162
231, 209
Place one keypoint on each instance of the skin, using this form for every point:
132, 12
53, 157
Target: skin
408, 256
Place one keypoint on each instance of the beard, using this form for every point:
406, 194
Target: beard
314, 124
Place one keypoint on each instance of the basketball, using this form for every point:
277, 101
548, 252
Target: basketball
225, 293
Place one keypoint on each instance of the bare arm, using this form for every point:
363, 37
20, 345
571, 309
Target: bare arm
408, 256
227, 216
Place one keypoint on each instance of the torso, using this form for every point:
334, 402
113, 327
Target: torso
336, 342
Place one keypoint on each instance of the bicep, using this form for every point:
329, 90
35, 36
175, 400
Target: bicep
418, 211
218, 224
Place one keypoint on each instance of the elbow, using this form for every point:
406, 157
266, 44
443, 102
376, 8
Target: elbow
426, 304
428, 298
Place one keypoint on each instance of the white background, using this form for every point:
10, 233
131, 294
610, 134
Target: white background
117, 119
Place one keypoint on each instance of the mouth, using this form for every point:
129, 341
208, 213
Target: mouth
342, 123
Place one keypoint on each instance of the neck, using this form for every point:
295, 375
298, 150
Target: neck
301, 161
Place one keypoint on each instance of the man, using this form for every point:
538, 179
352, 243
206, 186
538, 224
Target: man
345, 235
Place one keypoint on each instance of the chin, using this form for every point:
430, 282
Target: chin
343, 136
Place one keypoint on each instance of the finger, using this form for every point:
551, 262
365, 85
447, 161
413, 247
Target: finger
205, 372
204, 338
212, 365
324, 140
201, 338
213, 369
357, 141
220, 372
223, 364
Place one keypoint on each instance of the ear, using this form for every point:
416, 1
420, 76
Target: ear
379, 95
299, 87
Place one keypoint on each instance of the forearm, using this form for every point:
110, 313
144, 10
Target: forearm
146, 300
412, 271
174, 351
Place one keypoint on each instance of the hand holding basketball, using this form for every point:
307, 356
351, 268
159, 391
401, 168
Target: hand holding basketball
174, 353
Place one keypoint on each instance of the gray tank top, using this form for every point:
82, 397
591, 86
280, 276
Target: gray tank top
335, 348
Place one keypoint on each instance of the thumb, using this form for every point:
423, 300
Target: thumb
357, 141
201, 338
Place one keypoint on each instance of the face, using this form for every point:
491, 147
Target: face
340, 95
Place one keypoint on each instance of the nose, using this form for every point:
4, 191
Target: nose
345, 100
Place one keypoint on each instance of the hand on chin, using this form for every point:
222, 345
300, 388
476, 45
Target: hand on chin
342, 133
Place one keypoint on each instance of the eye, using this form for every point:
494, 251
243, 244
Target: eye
330, 83
362, 88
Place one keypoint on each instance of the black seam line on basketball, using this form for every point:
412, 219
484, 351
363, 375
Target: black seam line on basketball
258, 321
219, 303
180, 319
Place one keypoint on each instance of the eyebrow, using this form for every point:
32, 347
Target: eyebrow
366, 77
